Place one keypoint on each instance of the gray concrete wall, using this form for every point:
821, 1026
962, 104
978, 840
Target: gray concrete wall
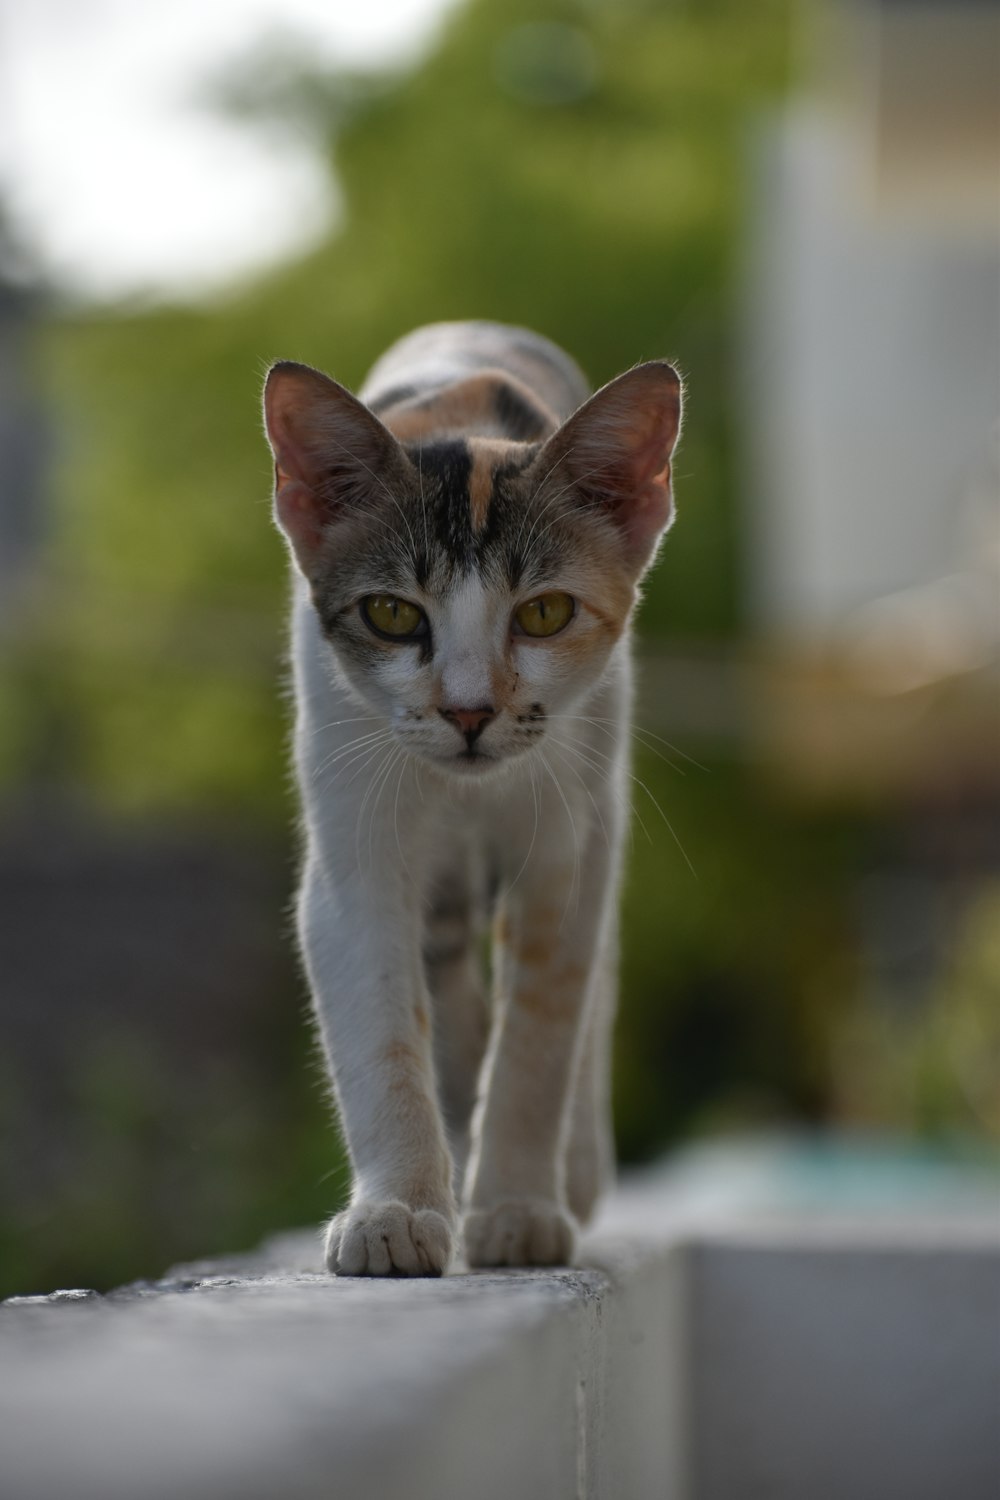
858, 1369
723, 1341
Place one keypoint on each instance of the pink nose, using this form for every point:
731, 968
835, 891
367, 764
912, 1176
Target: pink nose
469, 721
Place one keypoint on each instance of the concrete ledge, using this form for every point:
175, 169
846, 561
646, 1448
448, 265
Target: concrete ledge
713, 1347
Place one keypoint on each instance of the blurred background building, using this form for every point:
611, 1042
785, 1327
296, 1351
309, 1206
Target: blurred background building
799, 203
871, 364
872, 371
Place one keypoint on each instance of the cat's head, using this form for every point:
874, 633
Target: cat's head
472, 590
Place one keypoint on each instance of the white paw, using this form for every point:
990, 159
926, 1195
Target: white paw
520, 1232
388, 1239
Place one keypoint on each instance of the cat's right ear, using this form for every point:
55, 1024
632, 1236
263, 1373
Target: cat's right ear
614, 454
330, 454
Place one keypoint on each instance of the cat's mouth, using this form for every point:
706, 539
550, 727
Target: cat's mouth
472, 761
471, 756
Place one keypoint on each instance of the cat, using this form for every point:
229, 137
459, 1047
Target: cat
468, 535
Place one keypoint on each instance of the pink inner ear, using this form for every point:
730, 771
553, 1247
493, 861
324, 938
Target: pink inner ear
618, 448
638, 486
300, 515
651, 442
649, 511
304, 412
289, 446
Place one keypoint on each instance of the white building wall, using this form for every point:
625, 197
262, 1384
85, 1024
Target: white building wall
871, 381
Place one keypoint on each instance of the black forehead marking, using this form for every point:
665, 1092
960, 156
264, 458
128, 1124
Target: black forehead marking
508, 546
394, 396
508, 523
519, 417
444, 469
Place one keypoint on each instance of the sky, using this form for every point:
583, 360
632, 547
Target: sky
118, 176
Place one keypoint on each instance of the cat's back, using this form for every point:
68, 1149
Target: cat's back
440, 355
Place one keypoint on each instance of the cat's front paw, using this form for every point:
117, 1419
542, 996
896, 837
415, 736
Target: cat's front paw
388, 1239
519, 1232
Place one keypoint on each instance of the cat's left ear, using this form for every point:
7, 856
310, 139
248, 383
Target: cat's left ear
330, 454
615, 452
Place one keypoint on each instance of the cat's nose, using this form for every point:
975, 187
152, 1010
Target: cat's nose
469, 721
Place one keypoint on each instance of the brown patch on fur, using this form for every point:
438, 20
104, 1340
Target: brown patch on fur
536, 944
503, 684
466, 407
486, 455
554, 997
405, 1060
610, 598
580, 648
413, 424
423, 1020
533, 949
548, 983
494, 410
410, 1088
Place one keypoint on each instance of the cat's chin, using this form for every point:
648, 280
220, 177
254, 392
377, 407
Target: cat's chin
472, 767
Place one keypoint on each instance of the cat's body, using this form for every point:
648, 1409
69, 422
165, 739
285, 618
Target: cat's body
467, 567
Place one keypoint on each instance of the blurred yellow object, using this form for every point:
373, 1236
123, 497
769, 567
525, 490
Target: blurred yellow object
825, 720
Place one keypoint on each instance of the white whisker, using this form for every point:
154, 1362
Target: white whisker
550, 501
365, 755
628, 807
384, 761
639, 782
574, 883
395, 813
356, 458
534, 833
638, 729
335, 723
383, 779
586, 788
539, 488
361, 739
423, 503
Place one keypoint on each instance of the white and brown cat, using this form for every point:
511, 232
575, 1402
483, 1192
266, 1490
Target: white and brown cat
469, 534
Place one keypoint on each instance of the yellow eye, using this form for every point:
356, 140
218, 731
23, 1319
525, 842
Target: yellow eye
546, 615
397, 618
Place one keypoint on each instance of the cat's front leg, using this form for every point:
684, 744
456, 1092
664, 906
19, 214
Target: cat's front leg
362, 957
589, 1146
548, 952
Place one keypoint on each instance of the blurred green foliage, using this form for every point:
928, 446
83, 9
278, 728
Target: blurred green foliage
936, 1067
159, 1163
737, 956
